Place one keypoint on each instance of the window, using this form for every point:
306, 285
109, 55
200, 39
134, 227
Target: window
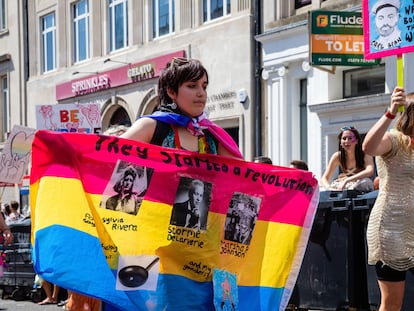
4, 108
120, 116
49, 42
301, 3
215, 8
366, 81
81, 30
163, 17
118, 24
3, 15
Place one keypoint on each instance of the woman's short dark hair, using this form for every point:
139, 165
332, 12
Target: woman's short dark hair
299, 164
178, 71
263, 159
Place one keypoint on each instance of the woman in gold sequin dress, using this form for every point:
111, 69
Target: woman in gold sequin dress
390, 232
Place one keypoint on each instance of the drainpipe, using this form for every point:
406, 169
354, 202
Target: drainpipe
257, 61
24, 59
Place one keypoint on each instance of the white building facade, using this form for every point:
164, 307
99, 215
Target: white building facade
13, 76
306, 106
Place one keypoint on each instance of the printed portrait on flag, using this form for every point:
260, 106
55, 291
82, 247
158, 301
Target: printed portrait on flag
126, 188
388, 27
191, 204
241, 218
209, 232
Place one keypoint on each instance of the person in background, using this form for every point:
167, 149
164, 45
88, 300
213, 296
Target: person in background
5, 230
299, 164
14, 214
376, 183
263, 159
51, 296
79, 302
116, 130
356, 167
390, 226
5, 210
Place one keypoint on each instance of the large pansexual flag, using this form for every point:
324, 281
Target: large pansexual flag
240, 248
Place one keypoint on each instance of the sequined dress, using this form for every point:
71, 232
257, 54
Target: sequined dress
390, 232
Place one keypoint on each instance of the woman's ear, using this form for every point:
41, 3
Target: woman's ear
171, 93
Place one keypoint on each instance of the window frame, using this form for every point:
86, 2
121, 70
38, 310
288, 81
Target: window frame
347, 81
77, 20
5, 107
156, 17
113, 23
3, 15
45, 42
208, 14
303, 118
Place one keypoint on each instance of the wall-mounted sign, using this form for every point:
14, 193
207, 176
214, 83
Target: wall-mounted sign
336, 38
91, 84
222, 103
142, 72
126, 74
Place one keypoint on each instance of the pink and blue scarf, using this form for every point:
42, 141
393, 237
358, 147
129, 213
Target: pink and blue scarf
196, 127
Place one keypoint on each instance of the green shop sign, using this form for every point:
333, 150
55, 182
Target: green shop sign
336, 39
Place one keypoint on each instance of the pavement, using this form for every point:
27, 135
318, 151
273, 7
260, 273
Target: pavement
25, 305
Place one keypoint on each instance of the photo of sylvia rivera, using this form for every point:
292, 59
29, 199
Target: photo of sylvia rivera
126, 188
192, 202
241, 218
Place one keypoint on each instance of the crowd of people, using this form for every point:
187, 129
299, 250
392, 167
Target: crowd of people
11, 212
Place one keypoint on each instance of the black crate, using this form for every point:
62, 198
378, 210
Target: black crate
323, 279
364, 201
335, 200
333, 271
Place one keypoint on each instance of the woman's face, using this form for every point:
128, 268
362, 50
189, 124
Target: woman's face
128, 182
245, 225
348, 140
198, 195
191, 97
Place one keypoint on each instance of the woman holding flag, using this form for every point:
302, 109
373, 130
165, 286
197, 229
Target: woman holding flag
180, 121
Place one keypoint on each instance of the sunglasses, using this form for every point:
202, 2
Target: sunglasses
347, 128
179, 61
